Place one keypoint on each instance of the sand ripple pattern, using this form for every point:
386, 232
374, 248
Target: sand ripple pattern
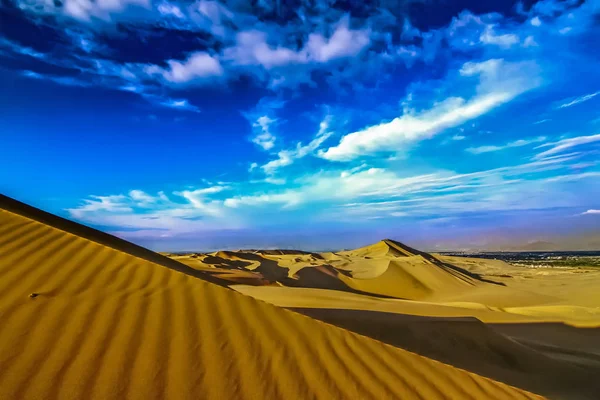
109, 325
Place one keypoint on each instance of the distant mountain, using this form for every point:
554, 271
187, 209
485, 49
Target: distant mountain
587, 242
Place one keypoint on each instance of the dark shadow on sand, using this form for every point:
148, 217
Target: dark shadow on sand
469, 344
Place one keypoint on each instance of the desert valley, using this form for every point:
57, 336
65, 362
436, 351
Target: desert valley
88, 315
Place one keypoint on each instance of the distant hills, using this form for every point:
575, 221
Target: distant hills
574, 243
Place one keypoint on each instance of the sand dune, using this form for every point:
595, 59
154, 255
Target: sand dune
386, 268
105, 323
490, 290
374, 289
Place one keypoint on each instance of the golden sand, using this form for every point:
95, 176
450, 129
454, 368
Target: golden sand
540, 330
388, 276
105, 324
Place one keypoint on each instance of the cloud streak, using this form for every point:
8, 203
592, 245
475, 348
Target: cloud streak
516, 143
287, 157
499, 82
567, 144
579, 100
344, 195
591, 212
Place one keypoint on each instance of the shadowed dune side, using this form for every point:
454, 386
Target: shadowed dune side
386, 269
260, 270
453, 269
282, 252
324, 277
468, 343
410, 279
107, 324
577, 345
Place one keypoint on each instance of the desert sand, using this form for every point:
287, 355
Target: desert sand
88, 316
536, 329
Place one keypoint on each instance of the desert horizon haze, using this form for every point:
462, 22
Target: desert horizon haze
315, 125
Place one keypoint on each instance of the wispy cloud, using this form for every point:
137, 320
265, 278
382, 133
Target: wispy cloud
181, 104
263, 136
263, 120
566, 144
85, 10
578, 100
541, 121
194, 211
516, 143
197, 66
377, 183
360, 193
591, 212
252, 48
499, 82
287, 157
505, 40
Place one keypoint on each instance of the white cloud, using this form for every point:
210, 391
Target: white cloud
252, 48
216, 14
120, 203
287, 198
199, 65
351, 194
578, 100
459, 137
113, 203
541, 121
573, 177
84, 10
591, 212
567, 144
275, 181
181, 104
141, 211
565, 30
426, 194
198, 199
263, 137
499, 82
322, 186
143, 198
489, 37
169, 9
530, 42
536, 21
214, 11
516, 143
287, 157
344, 42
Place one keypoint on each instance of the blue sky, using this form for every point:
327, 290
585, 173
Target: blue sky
316, 124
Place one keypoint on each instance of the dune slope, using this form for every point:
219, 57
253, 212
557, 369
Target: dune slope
103, 323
